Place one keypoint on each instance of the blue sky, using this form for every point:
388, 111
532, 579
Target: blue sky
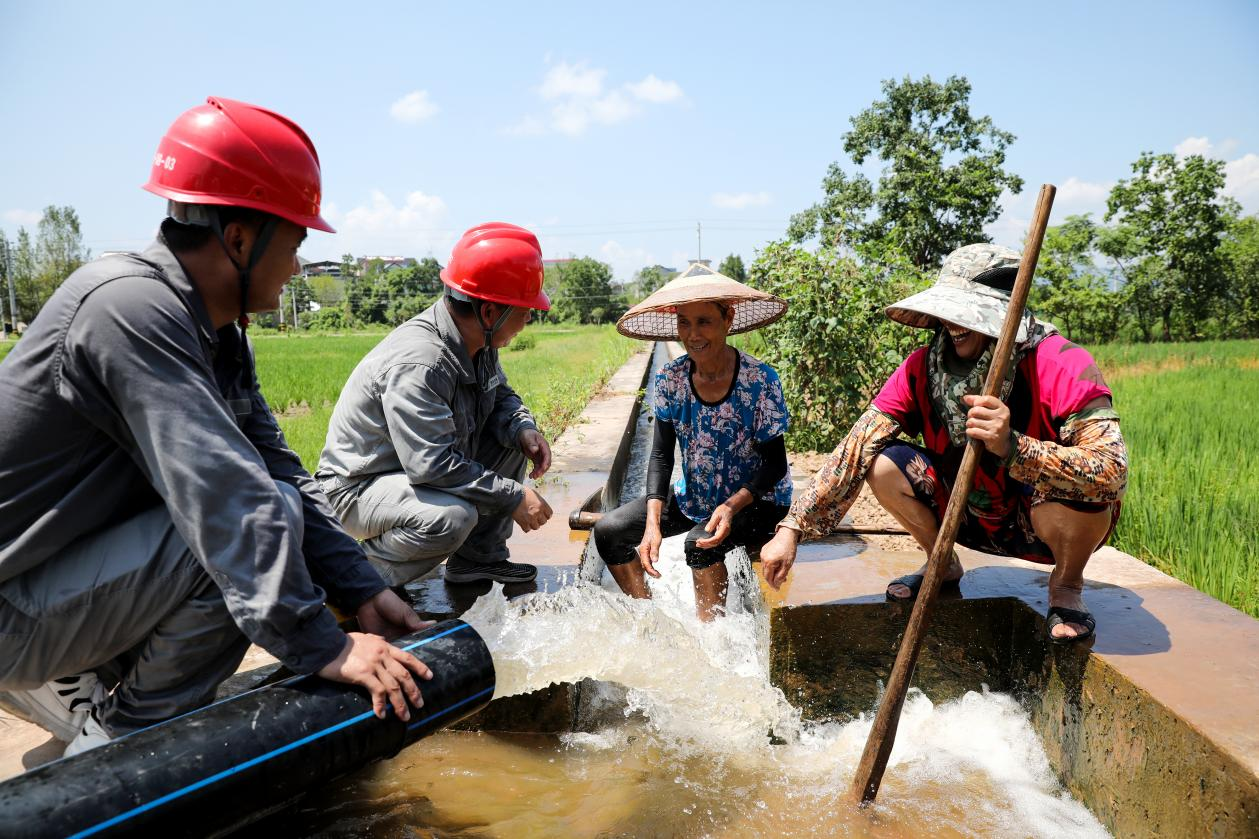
611, 130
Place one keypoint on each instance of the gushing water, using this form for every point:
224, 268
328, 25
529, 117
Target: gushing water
688, 751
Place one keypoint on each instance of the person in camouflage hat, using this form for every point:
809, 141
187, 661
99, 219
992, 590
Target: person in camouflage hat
1054, 466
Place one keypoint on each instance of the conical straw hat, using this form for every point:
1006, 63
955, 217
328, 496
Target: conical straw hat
656, 319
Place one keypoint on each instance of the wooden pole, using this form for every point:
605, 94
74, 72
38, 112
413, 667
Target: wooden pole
865, 784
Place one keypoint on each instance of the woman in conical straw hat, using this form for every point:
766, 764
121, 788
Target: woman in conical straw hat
1049, 483
725, 409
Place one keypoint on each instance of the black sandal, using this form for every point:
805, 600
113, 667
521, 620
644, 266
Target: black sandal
913, 582
1058, 615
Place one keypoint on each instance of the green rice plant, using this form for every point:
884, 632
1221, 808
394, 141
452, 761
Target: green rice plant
1192, 507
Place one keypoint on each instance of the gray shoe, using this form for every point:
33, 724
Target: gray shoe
60, 707
462, 571
92, 734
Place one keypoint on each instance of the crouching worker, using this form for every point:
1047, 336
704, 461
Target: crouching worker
153, 520
1054, 466
725, 409
427, 447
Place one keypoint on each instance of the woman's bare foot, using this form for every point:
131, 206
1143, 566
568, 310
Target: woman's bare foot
1067, 597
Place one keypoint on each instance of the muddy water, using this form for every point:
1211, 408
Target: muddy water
696, 744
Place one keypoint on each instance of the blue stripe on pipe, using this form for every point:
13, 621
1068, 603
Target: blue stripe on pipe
240, 767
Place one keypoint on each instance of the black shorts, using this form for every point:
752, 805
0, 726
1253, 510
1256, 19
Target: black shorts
619, 532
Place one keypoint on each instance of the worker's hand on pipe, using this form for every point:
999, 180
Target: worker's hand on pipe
387, 672
537, 449
388, 615
718, 525
532, 512
649, 549
988, 421
778, 555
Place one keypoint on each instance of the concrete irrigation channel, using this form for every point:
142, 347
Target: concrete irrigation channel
1153, 729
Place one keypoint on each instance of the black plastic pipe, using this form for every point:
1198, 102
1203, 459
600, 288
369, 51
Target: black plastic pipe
233, 762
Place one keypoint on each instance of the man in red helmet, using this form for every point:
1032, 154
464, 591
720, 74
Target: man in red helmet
153, 521
427, 446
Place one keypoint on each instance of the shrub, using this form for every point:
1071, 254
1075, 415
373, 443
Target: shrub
834, 348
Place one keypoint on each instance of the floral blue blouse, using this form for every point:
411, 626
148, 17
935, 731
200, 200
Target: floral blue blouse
716, 438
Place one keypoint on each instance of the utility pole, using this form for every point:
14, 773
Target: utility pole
293, 295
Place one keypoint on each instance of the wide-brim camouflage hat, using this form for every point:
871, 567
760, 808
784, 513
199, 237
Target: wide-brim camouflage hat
972, 291
656, 318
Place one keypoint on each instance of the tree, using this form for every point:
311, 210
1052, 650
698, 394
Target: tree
1171, 217
940, 184
24, 279
732, 267
647, 280
834, 348
585, 291
1240, 251
58, 246
1070, 290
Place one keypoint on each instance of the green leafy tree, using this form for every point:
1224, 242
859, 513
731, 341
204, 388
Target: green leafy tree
1171, 217
1070, 289
732, 267
646, 280
940, 183
585, 291
25, 282
834, 348
1240, 251
327, 290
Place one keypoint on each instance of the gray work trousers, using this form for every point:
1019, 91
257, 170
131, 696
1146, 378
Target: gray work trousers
134, 605
407, 530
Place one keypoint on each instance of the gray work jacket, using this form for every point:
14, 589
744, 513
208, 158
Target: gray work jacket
121, 396
414, 405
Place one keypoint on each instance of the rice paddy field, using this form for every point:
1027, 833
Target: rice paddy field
302, 375
1188, 413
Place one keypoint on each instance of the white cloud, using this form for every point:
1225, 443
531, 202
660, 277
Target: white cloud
381, 227
415, 107
576, 80
1194, 145
653, 89
624, 261
577, 99
740, 200
24, 218
1243, 181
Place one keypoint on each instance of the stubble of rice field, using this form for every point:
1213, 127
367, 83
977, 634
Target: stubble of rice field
1188, 414
302, 376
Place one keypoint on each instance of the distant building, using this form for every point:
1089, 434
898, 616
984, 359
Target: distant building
387, 263
327, 268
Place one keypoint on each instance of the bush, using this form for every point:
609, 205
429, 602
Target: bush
834, 348
522, 341
330, 319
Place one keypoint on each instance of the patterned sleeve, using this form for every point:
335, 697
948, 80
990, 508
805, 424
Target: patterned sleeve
661, 404
820, 509
1090, 465
770, 416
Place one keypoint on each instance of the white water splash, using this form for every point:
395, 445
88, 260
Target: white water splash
704, 693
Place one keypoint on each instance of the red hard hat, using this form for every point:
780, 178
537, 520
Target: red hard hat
232, 154
499, 262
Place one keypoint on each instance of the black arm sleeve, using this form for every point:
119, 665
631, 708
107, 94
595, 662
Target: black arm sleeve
660, 461
773, 466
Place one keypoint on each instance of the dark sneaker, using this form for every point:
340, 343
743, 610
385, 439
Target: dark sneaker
458, 571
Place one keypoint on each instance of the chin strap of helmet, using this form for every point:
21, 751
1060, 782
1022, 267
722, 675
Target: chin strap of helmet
265, 232
487, 359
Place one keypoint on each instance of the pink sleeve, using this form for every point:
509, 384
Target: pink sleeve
1069, 377
896, 399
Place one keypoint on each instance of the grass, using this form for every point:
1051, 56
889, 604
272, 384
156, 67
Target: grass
302, 376
1192, 508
